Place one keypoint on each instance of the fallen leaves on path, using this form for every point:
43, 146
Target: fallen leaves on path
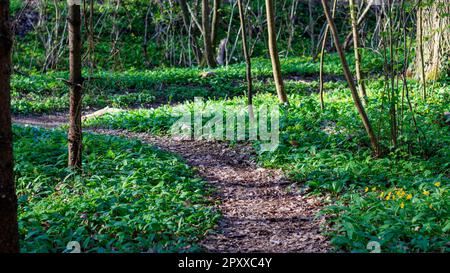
262, 210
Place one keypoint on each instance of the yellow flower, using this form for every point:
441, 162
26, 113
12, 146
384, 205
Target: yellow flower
437, 184
381, 195
426, 193
374, 188
400, 193
388, 197
409, 196
366, 189
402, 205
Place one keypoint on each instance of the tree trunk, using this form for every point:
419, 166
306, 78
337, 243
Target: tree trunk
351, 83
207, 38
215, 22
9, 238
361, 18
115, 34
145, 42
311, 27
322, 52
433, 34
359, 77
247, 59
291, 26
276, 67
76, 82
91, 47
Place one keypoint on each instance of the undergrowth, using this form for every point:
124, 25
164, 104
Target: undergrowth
130, 197
400, 200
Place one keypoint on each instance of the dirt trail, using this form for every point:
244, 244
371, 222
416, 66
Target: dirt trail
45, 121
262, 210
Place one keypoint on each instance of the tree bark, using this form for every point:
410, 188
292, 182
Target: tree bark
76, 82
276, 67
247, 59
291, 26
9, 238
351, 83
420, 50
207, 38
322, 52
91, 47
359, 77
145, 42
311, 27
215, 22
361, 18
433, 30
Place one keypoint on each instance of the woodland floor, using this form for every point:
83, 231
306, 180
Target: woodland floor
262, 211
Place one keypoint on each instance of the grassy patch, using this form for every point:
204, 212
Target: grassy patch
42, 93
130, 197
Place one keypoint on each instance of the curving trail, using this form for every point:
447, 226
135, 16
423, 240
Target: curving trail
262, 210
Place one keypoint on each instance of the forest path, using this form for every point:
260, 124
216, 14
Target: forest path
262, 211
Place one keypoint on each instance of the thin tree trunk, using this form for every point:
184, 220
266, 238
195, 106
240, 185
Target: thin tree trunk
311, 27
145, 42
421, 56
322, 52
276, 67
91, 34
359, 77
230, 24
361, 18
206, 29
247, 60
215, 22
392, 75
76, 81
351, 83
291, 26
9, 238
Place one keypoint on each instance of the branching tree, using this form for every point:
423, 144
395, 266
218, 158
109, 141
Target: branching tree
9, 239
